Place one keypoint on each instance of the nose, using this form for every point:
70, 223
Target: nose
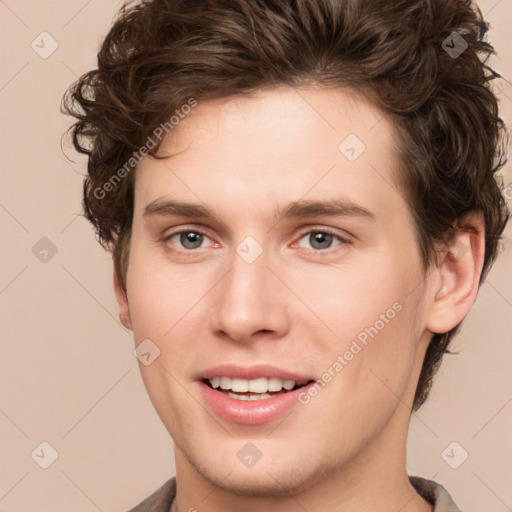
250, 301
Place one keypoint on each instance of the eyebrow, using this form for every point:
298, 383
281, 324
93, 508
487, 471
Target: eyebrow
298, 209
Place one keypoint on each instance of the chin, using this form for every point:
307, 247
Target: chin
264, 479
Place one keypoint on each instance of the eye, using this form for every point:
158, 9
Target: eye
321, 239
188, 239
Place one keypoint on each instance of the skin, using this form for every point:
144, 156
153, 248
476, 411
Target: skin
297, 306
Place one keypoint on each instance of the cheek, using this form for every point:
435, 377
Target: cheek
161, 297
348, 299
369, 328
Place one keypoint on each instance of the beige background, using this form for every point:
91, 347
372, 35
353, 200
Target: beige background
68, 374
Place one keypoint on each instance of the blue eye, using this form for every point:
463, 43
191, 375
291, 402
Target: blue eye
188, 239
320, 240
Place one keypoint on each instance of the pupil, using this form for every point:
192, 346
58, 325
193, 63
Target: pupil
190, 240
323, 239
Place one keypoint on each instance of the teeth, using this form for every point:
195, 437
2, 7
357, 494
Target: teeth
250, 397
261, 385
225, 383
275, 384
288, 384
240, 385
256, 385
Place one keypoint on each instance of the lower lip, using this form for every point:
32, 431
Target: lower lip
250, 412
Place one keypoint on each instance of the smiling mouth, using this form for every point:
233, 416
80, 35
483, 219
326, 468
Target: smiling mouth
256, 389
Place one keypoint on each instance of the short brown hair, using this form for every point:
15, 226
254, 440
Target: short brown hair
451, 140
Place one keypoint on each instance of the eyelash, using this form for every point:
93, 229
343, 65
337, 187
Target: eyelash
342, 240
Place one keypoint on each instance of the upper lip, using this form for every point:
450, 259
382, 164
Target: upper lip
252, 372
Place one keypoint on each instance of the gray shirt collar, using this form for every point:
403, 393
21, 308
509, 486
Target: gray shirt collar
162, 498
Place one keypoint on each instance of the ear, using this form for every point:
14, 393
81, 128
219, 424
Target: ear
122, 303
457, 276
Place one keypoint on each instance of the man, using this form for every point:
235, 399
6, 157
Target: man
301, 202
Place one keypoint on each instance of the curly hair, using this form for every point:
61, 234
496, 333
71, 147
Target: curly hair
450, 139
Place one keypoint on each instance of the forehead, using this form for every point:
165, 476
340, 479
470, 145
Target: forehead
273, 146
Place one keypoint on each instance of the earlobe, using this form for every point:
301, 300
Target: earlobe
122, 303
458, 271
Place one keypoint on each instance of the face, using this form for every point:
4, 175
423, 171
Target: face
298, 264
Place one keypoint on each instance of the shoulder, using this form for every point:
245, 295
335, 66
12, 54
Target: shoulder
434, 493
160, 500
